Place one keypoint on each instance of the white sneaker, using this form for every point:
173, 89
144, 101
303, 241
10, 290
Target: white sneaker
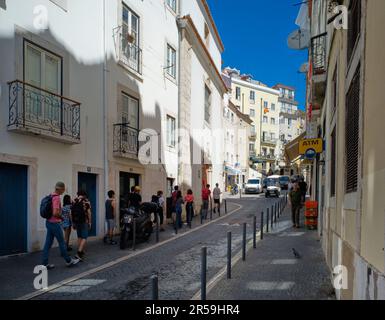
74, 261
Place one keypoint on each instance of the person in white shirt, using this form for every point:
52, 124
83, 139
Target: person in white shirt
217, 198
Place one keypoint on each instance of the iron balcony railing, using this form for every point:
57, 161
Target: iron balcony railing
39, 111
126, 140
318, 51
131, 55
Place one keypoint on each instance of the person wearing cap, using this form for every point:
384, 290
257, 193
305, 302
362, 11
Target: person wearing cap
54, 230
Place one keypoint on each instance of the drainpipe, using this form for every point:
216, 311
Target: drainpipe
180, 31
105, 101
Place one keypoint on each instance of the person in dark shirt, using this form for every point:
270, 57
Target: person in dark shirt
303, 189
295, 200
135, 199
110, 217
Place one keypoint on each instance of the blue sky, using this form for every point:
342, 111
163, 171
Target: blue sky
255, 34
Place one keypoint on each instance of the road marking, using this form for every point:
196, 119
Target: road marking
284, 261
269, 286
78, 286
122, 259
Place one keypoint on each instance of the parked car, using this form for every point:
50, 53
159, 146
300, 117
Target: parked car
253, 186
273, 187
284, 182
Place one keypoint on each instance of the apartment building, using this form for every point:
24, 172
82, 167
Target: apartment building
291, 120
237, 129
200, 99
345, 102
98, 100
260, 103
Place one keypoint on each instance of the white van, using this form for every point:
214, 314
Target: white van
273, 187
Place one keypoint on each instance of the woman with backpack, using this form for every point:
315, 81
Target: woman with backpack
67, 223
81, 218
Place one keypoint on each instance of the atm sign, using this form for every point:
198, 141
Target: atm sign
311, 144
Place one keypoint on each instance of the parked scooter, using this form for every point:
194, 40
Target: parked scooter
143, 224
234, 190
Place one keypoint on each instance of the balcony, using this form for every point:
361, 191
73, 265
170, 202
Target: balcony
269, 141
262, 158
126, 141
38, 112
318, 52
131, 55
253, 136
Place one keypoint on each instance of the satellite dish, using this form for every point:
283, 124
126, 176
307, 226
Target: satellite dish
304, 68
299, 39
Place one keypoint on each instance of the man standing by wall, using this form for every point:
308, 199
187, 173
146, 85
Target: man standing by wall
217, 198
295, 200
206, 198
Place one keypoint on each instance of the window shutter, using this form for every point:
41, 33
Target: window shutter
352, 122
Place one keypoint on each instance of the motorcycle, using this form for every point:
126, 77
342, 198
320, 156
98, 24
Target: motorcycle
143, 224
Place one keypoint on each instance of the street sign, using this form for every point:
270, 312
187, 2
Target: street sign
310, 147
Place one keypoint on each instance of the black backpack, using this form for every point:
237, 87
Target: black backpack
78, 212
46, 207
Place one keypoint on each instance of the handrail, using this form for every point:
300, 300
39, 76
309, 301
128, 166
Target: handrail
44, 90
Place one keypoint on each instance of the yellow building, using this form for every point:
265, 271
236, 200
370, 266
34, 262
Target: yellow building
260, 103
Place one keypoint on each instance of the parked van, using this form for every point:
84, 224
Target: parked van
273, 187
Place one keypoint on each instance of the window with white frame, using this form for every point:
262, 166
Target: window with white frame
171, 61
171, 131
130, 38
273, 107
172, 4
265, 119
252, 95
42, 69
238, 93
130, 111
272, 121
207, 104
265, 104
252, 113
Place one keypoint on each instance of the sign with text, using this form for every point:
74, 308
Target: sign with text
315, 145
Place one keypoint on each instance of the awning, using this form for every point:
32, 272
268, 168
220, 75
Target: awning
292, 148
232, 171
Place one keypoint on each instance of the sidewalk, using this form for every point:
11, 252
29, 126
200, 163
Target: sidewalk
16, 273
272, 272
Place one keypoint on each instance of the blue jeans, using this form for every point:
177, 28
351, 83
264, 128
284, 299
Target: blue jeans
179, 222
54, 230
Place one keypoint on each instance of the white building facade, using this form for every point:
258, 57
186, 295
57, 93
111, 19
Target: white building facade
96, 101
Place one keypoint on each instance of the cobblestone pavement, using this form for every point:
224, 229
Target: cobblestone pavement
177, 263
272, 272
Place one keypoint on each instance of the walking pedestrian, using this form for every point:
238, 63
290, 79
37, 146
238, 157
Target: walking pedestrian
189, 200
161, 205
206, 198
81, 218
67, 223
303, 189
178, 209
217, 198
51, 209
295, 201
110, 207
174, 196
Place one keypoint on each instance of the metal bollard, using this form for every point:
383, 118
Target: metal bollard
133, 233
176, 223
262, 226
255, 232
225, 206
272, 217
203, 273
211, 210
244, 242
157, 228
201, 215
229, 235
275, 213
267, 220
155, 288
